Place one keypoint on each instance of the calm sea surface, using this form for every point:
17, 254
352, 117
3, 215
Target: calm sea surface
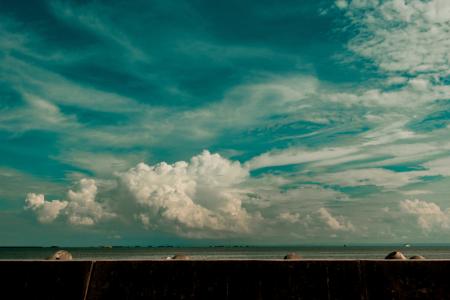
128, 253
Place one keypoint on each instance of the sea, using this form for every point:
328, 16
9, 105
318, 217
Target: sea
225, 253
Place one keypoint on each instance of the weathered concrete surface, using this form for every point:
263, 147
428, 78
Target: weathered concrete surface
191, 279
225, 280
58, 280
413, 279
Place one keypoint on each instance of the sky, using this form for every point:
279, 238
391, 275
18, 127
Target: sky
197, 122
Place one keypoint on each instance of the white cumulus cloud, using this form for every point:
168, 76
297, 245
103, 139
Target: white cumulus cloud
79, 207
200, 195
208, 196
46, 211
289, 217
199, 198
429, 214
335, 223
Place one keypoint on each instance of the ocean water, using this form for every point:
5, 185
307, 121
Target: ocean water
223, 253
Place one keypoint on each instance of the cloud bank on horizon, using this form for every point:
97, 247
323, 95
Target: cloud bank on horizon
256, 122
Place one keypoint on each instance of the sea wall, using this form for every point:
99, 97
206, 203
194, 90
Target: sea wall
234, 279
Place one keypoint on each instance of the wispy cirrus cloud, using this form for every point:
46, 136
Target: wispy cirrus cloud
397, 35
94, 17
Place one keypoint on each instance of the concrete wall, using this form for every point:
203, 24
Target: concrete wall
305, 279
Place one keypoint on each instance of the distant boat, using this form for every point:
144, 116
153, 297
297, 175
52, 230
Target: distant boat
407, 245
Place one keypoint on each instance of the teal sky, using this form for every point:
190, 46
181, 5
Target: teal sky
204, 122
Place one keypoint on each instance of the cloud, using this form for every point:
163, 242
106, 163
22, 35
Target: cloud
439, 166
200, 195
409, 96
341, 4
31, 79
46, 211
12, 182
387, 156
79, 207
258, 102
94, 18
418, 155
297, 156
429, 215
416, 192
392, 132
397, 34
102, 164
335, 223
10, 40
364, 177
206, 197
289, 217
385, 178
195, 198
346, 136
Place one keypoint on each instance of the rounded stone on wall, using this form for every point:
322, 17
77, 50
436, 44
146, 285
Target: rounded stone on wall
180, 257
292, 256
417, 257
395, 255
61, 255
